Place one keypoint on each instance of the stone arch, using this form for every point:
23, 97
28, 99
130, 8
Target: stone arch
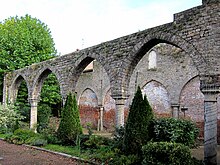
15, 86
158, 98
80, 65
147, 43
39, 80
88, 108
84, 60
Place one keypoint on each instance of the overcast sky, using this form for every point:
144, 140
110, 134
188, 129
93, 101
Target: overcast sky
77, 24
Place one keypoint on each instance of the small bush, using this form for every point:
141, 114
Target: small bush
95, 142
36, 141
9, 117
159, 153
21, 136
43, 117
175, 130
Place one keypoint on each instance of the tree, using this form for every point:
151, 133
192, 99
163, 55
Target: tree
137, 125
70, 127
23, 41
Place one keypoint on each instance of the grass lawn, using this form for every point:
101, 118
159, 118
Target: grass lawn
71, 150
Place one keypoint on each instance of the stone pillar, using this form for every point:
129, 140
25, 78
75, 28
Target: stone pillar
33, 114
175, 110
210, 85
119, 113
101, 118
210, 127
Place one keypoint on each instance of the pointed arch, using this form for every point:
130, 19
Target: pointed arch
158, 98
88, 108
15, 86
39, 80
192, 98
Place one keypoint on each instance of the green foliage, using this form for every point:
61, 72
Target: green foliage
118, 138
95, 142
136, 128
23, 41
50, 94
21, 136
43, 116
70, 126
160, 153
36, 141
175, 130
9, 118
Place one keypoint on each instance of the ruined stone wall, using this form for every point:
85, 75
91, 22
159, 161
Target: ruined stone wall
191, 50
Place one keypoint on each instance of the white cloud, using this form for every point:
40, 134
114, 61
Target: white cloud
79, 24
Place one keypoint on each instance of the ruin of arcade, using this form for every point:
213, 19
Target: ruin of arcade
194, 31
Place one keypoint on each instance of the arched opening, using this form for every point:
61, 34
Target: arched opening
192, 98
173, 67
88, 105
158, 98
21, 100
91, 80
50, 101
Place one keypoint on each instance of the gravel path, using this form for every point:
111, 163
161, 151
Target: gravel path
11, 154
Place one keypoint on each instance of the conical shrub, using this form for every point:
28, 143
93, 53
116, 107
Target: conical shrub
70, 127
136, 128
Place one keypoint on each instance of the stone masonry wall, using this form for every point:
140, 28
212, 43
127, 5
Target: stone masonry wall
186, 48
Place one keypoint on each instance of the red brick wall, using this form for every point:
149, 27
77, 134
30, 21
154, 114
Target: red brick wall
88, 108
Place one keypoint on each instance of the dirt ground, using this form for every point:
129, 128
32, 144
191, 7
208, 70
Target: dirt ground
11, 154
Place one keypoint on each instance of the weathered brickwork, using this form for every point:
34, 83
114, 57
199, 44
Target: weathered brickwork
186, 73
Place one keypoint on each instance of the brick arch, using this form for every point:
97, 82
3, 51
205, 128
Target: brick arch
39, 80
147, 43
15, 85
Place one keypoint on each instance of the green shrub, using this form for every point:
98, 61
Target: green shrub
160, 153
50, 135
107, 155
175, 130
9, 117
43, 117
21, 136
36, 141
70, 127
124, 160
137, 125
95, 142
118, 138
